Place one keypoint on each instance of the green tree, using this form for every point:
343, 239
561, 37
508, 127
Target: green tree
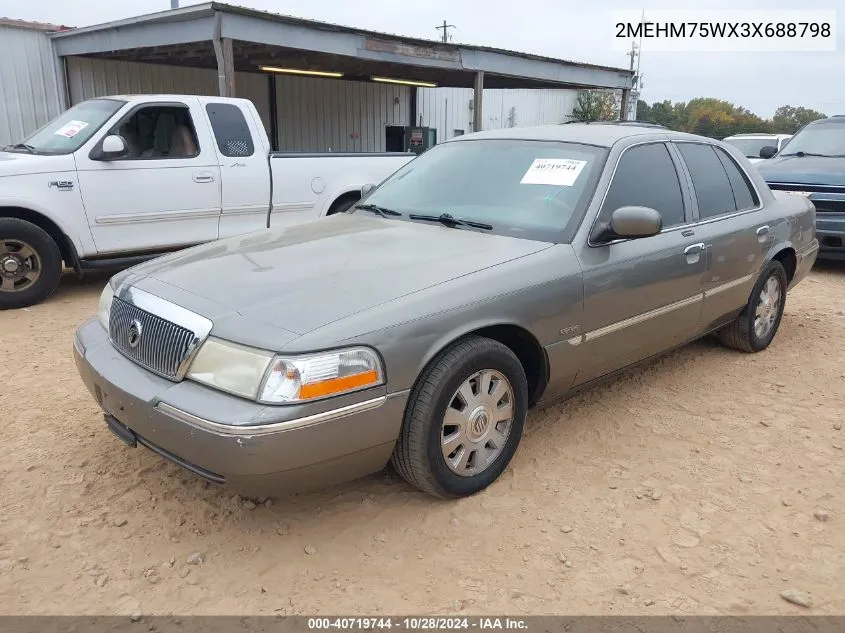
788, 118
643, 111
595, 105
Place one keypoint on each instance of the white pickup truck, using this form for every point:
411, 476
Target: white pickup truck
117, 180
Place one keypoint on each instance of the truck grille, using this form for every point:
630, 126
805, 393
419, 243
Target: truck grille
149, 340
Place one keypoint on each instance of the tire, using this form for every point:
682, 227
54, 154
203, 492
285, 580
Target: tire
741, 334
342, 204
17, 238
488, 444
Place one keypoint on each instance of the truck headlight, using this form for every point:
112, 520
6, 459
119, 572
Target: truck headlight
284, 379
104, 307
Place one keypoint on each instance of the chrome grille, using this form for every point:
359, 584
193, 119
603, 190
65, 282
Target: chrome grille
160, 346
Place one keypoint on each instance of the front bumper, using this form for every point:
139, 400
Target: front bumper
253, 448
830, 231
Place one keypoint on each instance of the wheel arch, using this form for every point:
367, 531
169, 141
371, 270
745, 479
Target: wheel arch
67, 248
519, 339
345, 193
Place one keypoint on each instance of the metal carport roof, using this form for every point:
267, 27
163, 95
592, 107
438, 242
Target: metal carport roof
233, 38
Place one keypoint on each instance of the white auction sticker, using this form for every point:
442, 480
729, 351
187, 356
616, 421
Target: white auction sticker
553, 171
71, 129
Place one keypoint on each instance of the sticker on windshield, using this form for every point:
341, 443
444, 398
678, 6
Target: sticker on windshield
71, 129
553, 171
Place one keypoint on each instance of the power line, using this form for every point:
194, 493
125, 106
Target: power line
446, 37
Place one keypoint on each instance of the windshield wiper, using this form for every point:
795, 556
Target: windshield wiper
382, 211
28, 148
448, 220
800, 154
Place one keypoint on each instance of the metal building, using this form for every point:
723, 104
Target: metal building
30, 90
318, 86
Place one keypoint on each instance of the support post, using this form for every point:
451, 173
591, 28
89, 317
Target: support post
225, 59
625, 105
274, 111
478, 96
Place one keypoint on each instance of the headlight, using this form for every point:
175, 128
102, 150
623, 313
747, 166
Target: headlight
230, 367
300, 378
272, 379
104, 307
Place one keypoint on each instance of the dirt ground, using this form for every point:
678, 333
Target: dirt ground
707, 482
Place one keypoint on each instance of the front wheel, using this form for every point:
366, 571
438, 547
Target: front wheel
30, 264
755, 328
464, 419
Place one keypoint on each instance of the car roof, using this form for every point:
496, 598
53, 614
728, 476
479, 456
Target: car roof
601, 135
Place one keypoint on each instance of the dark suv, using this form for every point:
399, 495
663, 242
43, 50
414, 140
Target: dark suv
812, 164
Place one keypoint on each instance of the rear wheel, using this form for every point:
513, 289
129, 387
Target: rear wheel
464, 419
30, 264
755, 328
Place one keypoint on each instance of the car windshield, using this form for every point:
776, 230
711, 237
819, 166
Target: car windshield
530, 189
72, 129
750, 147
823, 139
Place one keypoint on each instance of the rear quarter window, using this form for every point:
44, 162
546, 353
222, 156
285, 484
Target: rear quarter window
230, 130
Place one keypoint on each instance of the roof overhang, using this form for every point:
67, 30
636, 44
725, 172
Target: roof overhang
183, 37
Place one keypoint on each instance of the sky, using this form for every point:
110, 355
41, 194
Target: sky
566, 29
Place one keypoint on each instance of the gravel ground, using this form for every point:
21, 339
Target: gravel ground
707, 482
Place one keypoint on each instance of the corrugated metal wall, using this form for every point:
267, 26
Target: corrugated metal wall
29, 84
88, 78
448, 109
320, 115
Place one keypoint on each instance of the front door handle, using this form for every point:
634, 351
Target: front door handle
203, 176
693, 252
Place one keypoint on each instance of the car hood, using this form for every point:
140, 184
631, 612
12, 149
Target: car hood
20, 164
303, 277
806, 170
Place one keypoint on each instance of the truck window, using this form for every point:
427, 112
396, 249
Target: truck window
230, 130
159, 132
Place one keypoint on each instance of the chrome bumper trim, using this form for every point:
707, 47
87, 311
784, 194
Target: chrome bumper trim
267, 429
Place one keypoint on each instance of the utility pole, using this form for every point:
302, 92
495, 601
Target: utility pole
636, 52
446, 28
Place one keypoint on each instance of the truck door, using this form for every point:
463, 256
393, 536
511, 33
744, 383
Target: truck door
244, 168
164, 193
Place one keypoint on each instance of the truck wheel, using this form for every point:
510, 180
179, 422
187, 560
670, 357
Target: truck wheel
464, 419
342, 204
755, 328
30, 264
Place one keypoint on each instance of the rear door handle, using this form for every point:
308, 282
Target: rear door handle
203, 176
762, 233
693, 252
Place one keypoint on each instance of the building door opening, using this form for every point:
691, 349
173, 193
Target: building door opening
394, 138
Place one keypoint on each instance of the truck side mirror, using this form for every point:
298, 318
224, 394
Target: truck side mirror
367, 189
112, 147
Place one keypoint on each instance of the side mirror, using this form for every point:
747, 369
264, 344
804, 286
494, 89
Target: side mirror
768, 151
112, 147
367, 189
631, 223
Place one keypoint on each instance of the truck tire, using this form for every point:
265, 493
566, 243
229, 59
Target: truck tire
755, 327
30, 264
464, 419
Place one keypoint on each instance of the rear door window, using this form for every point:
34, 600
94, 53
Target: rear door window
709, 179
230, 130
